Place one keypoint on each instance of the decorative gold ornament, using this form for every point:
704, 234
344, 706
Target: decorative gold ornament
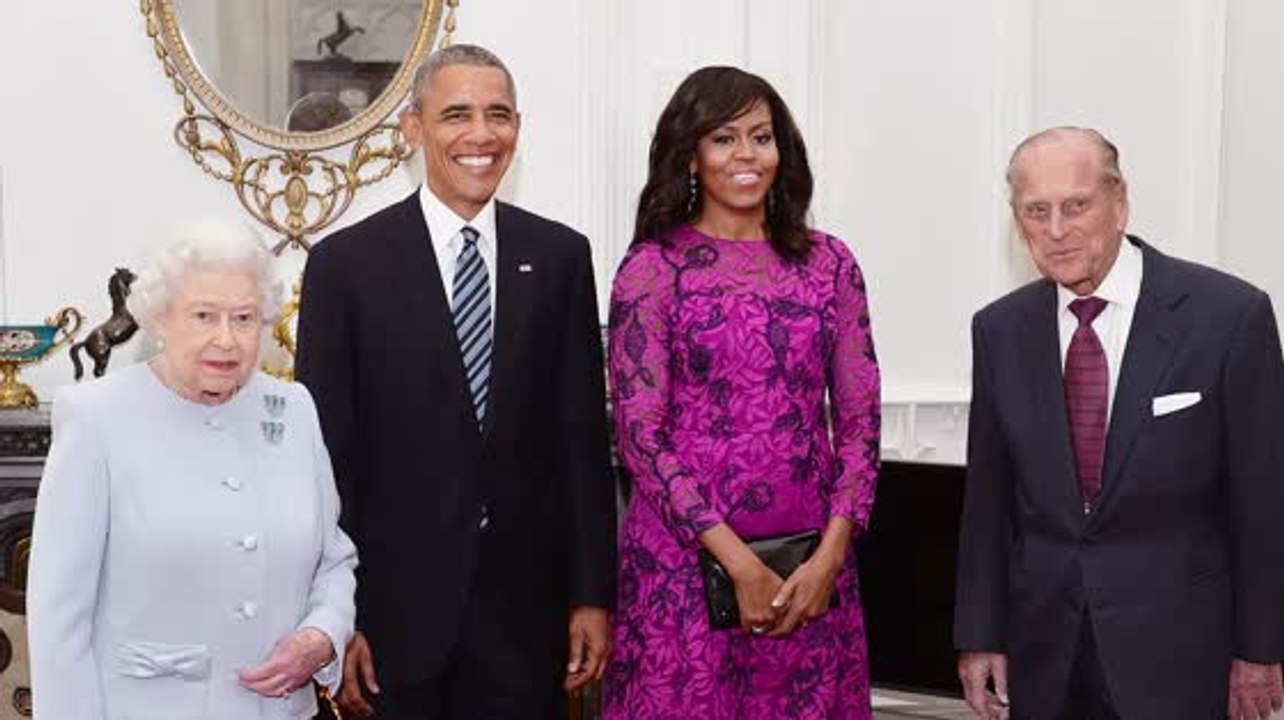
13, 589
295, 192
283, 334
448, 38
22, 344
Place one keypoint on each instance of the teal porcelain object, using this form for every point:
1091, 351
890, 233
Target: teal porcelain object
22, 344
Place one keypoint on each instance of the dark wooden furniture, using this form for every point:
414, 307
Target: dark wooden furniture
24, 442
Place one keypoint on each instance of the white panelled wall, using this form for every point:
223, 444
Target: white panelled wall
910, 108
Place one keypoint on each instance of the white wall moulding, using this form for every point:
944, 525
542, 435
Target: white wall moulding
914, 114
1153, 83
1253, 157
4, 317
1013, 62
933, 433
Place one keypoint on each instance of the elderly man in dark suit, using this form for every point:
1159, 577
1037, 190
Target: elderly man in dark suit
1124, 511
453, 347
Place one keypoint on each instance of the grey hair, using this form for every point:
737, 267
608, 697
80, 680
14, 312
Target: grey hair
200, 245
1111, 174
472, 55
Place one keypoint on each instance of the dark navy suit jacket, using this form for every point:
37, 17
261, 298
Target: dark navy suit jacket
377, 348
1177, 567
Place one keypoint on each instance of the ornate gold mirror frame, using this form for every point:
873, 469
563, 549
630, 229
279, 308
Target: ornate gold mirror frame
296, 191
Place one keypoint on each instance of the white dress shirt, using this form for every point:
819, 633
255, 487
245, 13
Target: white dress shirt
444, 227
1120, 290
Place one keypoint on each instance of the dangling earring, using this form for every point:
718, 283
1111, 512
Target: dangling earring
693, 191
771, 201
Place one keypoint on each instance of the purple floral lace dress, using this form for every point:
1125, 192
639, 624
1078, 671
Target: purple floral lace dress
721, 355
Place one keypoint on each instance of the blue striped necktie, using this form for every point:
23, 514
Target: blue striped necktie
470, 303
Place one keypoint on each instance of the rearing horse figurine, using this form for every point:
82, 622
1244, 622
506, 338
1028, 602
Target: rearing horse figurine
339, 36
117, 329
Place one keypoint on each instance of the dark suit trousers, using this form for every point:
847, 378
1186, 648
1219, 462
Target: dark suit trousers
1087, 698
488, 675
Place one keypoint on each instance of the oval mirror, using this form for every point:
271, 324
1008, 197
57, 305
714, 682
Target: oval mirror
299, 74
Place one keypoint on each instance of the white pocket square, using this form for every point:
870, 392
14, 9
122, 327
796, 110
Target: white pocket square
1165, 404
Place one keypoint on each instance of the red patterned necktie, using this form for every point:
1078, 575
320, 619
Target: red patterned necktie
1087, 387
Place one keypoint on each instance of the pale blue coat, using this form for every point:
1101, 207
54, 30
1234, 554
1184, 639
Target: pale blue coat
174, 544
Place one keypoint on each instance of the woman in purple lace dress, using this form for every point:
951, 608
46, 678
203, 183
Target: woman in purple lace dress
731, 325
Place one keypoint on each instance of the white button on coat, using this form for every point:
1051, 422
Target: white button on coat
116, 505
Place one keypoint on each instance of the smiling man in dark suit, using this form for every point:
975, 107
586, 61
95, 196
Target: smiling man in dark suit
452, 345
1124, 510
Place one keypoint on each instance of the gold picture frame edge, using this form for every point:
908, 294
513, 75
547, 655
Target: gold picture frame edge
163, 13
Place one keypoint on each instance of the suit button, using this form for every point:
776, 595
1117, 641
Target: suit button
232, 483
248, 609
249, 542
484, 523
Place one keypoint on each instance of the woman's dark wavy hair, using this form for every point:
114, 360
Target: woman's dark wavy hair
706, 100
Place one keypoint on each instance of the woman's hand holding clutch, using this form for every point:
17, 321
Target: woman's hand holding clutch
807, 593
805, 596
756, 585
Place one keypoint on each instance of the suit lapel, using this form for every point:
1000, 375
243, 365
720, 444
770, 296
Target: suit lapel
419, 284
516, 272
1042, 347
1147, 356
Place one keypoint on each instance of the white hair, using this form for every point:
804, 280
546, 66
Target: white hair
1112, 176
203, 244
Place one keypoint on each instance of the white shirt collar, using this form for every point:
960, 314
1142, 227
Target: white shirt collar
444, 224
1122, 285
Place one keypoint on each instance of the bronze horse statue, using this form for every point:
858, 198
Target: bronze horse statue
117, 329
339, 36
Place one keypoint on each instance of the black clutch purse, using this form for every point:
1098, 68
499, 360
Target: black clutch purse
782, 553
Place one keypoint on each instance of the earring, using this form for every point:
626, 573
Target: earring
771, 202
693, 191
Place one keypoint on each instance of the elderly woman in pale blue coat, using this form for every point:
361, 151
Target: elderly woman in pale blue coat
187, 562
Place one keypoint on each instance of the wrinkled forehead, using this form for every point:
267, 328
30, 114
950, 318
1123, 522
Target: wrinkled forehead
1057, 167
223, 285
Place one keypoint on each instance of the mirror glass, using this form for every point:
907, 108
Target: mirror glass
299, 65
